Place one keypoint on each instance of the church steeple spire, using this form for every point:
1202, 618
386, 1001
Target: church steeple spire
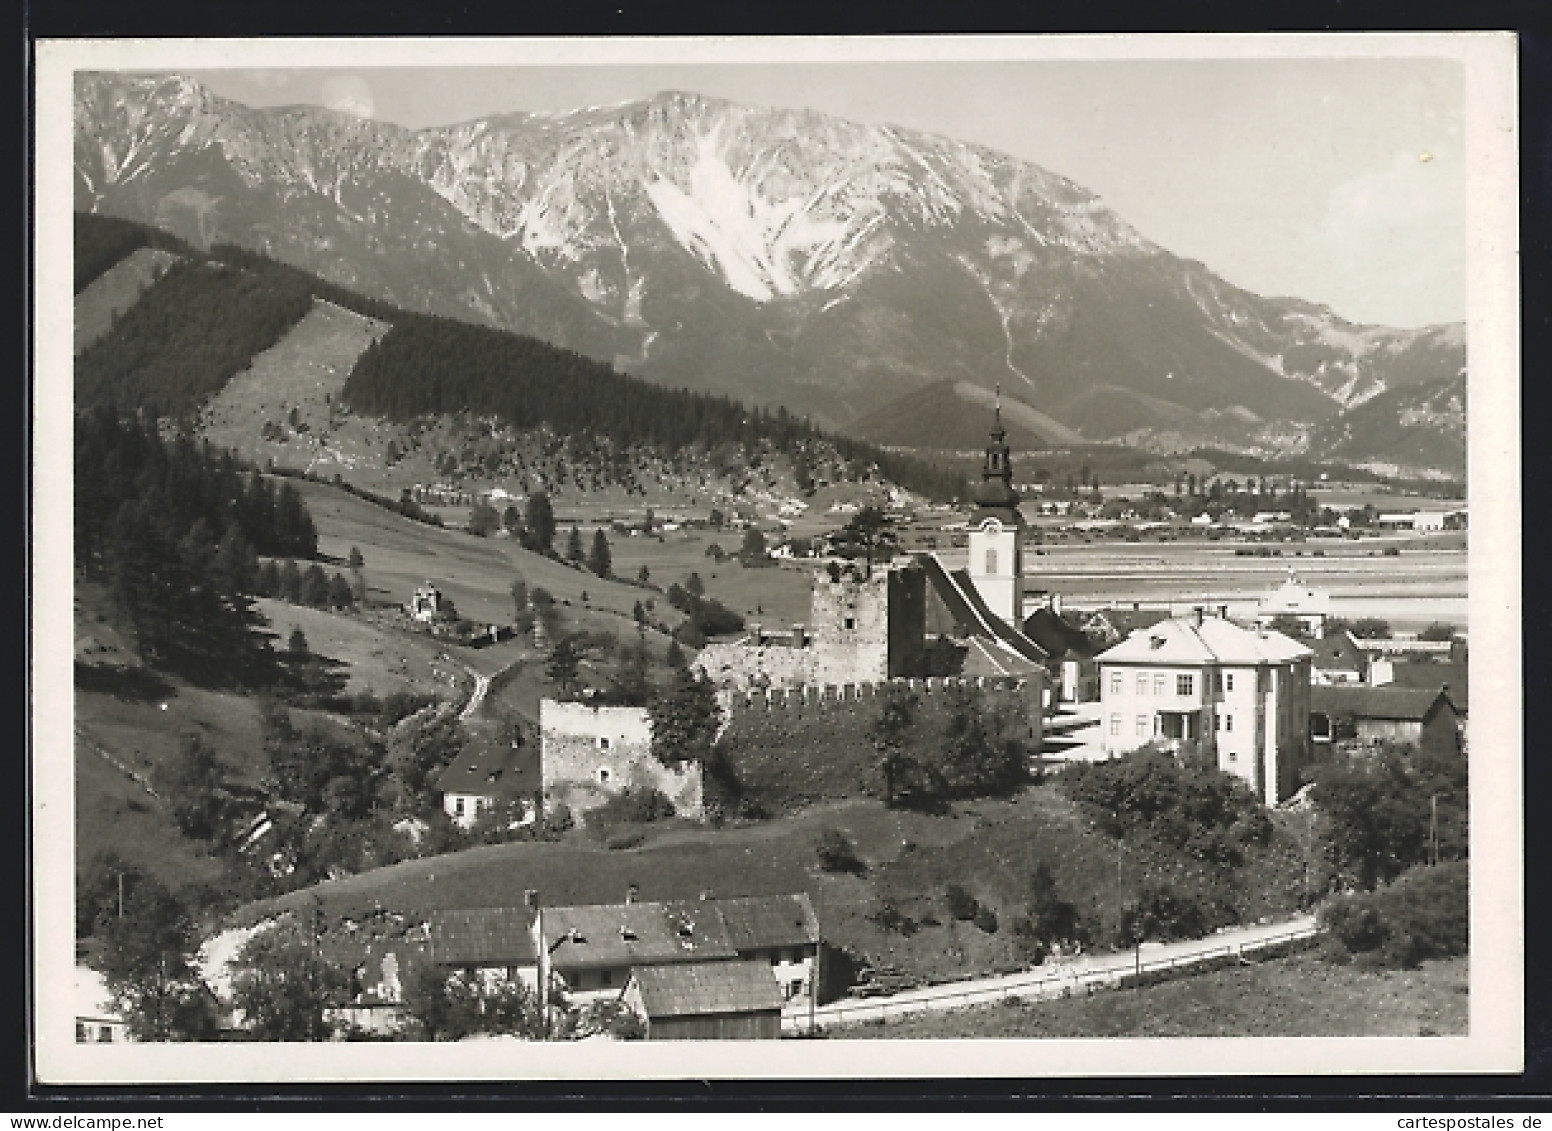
996, 492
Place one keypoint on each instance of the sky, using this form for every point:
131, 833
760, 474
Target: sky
1340, 181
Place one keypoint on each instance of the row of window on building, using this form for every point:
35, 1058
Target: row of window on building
1185, 683
1147, 725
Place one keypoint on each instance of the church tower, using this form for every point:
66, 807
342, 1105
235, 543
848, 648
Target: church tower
996, 531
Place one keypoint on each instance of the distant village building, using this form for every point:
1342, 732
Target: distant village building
1310, 607
1243, 694
589, 753
427, 603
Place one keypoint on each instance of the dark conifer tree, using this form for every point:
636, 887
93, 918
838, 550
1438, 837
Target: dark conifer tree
599, 560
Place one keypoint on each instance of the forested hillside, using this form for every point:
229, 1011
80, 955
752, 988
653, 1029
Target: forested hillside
186, 336
102, 241
205, 319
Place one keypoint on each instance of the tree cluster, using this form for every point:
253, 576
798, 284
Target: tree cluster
1182, 803
175, 531
1385, 811
709, 616
977, 753
1424, 914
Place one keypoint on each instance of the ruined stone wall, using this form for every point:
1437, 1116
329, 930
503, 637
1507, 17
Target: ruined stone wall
851, 628
793, 748
589, 753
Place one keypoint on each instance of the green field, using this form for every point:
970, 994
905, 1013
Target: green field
1298, 996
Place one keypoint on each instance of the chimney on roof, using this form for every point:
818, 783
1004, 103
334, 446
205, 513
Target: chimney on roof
705, 894
1223, 611
1197, 615
1056, 603
631, 893
531, 899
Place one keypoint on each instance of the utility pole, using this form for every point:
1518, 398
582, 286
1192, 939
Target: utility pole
1433, 828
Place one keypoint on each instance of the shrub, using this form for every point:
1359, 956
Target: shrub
986, 919
887, 917
1424, 914
837, 853
960, 903
632, 805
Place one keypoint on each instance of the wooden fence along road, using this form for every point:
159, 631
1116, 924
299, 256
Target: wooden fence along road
1082, 975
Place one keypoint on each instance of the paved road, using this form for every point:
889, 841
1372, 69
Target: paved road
1051, 980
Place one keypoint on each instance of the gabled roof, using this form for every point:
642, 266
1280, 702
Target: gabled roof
1392, 703
970, 613
1454, 678
707, 989
1055, 635
1296, 599
1126, 621
761, 921
490, 936
493, 769
1338, 652
1181, 641
632, 934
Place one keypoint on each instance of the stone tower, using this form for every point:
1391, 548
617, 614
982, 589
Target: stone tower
996, 531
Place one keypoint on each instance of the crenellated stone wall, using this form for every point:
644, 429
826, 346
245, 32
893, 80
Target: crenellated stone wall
791, 748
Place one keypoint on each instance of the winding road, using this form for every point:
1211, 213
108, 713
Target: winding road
1055, 980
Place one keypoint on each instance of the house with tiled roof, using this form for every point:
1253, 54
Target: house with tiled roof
592, 950
488, 775
1243, 694
1423, 717
1337, 658
717, 1001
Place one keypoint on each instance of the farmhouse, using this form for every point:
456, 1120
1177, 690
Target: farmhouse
1241, 693
1420, 717
592, 950
489, 775
589, 753
717, 1001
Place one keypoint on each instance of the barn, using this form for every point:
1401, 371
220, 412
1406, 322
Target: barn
1421, 717
708, 1001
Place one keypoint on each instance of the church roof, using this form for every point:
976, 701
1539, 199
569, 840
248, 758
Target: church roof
971, 616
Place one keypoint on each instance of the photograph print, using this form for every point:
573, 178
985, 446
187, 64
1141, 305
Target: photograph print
576, 545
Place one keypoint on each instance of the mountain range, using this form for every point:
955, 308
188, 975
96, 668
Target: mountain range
861, 275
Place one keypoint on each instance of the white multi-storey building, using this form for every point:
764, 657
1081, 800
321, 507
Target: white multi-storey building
1243, 694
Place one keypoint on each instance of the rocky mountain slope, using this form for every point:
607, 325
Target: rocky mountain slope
778, 256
